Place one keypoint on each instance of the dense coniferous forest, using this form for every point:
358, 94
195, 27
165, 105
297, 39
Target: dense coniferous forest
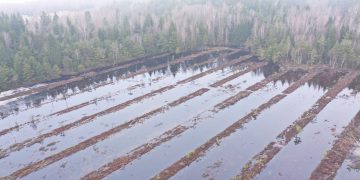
35, 48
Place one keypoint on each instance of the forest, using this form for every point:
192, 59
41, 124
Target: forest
36, 48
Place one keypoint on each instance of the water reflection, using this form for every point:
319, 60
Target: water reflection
289, 77
325, 79
236, 55
292, 76
355, 85
268, 70
89, 84
354, 158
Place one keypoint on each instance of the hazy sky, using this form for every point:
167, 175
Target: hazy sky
35, 7
19, 1
15, 1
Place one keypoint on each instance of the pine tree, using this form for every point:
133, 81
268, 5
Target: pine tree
172, 38
4, 77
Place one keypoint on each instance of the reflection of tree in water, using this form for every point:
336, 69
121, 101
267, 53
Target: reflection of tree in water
267, 70
34, 121
236, 55
354, 157
325, 79
291, 76
297, 140
355, 85
174, 69
270, 69
88, 84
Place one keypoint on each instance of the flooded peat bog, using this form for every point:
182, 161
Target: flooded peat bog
220, 113
180, 89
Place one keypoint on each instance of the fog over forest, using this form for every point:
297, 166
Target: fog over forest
43, 39
35, 7
180, 89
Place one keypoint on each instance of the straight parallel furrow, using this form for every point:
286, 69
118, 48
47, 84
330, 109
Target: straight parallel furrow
232, 100
200, 75
122, 161
130, 102
255, 166
335, 157
79, 106
201, 150
122, 105
143, 149
131, 75
236, 75
89, 142
84, 119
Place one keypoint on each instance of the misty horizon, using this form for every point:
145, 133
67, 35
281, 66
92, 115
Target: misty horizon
36, 7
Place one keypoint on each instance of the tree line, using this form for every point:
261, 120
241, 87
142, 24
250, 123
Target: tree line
38, 48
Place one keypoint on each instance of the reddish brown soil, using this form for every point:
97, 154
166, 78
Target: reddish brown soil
122, 161
252, 168
335, 157
76, 107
